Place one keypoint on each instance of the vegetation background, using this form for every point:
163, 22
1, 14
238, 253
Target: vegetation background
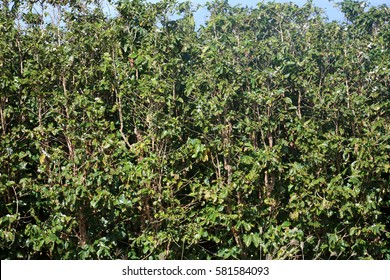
264, 134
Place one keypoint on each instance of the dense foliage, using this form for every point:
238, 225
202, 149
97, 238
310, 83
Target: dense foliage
264, 134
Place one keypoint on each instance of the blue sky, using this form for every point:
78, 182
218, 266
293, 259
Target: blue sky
332, 12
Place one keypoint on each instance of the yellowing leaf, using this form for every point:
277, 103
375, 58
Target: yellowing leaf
42, 158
